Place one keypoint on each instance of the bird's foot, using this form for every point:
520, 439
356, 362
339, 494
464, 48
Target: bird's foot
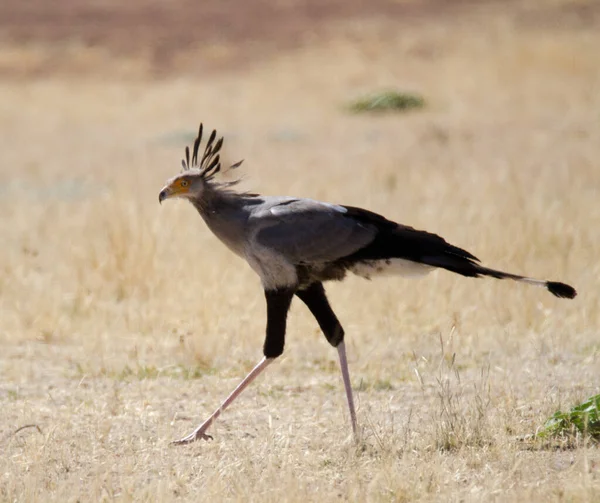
197, 434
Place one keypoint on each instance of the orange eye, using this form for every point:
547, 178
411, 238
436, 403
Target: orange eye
184, 183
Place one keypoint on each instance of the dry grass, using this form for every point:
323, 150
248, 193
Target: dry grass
123, 323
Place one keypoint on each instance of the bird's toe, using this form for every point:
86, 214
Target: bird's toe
197, 435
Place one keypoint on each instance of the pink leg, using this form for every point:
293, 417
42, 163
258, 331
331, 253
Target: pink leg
346, 377
199, 432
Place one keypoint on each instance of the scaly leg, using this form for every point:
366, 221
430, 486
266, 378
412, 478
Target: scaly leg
346, 377
315, 299
200, 432
278, 305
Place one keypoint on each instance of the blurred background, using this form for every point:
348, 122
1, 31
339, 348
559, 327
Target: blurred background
122, 322
148, 37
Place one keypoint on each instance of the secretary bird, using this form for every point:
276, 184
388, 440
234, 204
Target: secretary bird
295, 244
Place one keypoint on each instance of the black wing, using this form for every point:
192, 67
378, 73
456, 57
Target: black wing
401, 241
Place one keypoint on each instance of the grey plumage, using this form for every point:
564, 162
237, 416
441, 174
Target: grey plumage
321, 231
295, 244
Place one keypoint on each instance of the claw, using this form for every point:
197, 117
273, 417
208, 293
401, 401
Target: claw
192, 437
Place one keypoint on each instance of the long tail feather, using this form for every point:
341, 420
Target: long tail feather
399, 241
556, 288
469, 268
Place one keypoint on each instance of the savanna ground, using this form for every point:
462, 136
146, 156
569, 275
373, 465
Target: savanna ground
123, 323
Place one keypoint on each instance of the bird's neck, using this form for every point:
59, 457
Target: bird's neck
226, 214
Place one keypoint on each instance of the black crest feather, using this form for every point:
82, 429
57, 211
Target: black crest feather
214, 167
196, 146
210, 163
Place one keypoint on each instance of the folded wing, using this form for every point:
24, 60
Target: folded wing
309, 232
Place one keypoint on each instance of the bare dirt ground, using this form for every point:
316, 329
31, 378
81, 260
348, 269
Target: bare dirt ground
123, 323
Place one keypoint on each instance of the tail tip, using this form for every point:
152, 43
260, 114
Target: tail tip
561, 290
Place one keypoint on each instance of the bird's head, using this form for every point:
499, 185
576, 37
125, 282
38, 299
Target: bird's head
196, 174
187, 185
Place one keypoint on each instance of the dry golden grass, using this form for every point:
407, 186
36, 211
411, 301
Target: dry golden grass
124, 323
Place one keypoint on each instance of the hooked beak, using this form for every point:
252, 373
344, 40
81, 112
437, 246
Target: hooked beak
172, 190
164, 194
167, 192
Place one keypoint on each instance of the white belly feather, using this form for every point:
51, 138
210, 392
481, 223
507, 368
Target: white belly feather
387, 267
